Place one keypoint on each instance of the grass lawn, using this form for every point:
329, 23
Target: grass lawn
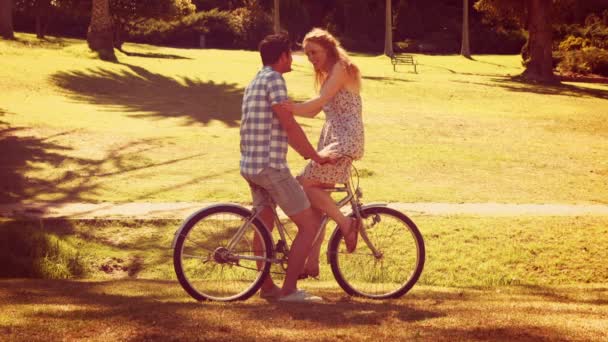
162, 125
157, 311
461, 251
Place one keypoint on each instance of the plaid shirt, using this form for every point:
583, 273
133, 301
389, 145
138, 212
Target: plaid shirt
263, 140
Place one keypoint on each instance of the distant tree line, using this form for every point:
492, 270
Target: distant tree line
570, 34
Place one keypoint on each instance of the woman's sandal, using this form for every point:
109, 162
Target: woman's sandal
349, 240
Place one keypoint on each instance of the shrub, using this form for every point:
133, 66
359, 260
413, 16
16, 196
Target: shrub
587, 60
251, 24
572, 43
408, 45
215, 24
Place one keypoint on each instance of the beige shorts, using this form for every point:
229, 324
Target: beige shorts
273, 187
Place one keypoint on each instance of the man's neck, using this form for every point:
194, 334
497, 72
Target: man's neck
275, 67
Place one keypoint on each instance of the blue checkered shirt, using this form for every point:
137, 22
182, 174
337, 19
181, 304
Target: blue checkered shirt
263, 140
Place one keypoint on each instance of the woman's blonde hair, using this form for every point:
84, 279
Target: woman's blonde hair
335, 53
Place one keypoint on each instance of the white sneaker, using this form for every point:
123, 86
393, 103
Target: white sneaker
300, 296
271, 294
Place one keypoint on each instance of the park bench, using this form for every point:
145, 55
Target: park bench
403, 60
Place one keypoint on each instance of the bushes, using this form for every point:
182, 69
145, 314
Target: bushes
584, 49
250, 25
186, 31
588, 60
241, 28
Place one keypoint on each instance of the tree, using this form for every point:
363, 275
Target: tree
100, 35
536, 17
465, 49
539, 66
6, 19
277, 18
388, 30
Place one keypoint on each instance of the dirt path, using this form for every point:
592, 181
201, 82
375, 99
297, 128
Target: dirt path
181, 210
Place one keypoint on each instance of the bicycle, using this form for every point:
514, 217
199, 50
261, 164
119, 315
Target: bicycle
215, 259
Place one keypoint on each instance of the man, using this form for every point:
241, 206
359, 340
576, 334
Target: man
266, 131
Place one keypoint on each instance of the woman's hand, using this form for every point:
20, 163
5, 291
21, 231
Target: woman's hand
287, 105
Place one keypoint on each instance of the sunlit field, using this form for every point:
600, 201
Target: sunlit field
162, 125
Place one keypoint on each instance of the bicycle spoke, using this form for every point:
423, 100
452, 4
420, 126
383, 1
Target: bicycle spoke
400, 261
207, 269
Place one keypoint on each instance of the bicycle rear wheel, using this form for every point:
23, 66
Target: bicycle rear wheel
204, 265
392, 272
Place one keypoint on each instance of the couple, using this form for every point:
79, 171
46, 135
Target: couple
268, 127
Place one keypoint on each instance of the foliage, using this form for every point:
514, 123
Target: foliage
186, 31
251, 23
223, 5
295, 19
588, 60
585, 47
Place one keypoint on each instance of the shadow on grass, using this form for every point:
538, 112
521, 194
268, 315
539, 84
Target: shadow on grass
149, 95
516, 84
390, 80
20, 154
591, 296
152, 55
47, 42
160, 310
351, 312
23, 155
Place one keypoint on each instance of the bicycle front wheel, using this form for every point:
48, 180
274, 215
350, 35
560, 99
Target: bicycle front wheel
390, 272
217, 257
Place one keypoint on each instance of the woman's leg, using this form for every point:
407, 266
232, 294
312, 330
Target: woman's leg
321, 200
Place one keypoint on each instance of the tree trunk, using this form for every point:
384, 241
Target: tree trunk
539, 66
6, 19
43, 8
388, 30
277, 18
100, 35
465, 48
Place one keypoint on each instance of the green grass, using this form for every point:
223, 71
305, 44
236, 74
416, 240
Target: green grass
462, 251
162, 125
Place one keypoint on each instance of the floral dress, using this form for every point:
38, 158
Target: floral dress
343, 129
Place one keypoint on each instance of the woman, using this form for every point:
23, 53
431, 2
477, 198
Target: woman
339, 81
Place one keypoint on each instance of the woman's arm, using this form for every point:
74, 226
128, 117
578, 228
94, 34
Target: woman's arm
337, 80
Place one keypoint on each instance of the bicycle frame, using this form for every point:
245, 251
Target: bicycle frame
351, 197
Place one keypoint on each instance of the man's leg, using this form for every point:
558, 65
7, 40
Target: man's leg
311, 268
308, 223
267, 218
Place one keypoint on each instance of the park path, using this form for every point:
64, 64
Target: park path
181, 210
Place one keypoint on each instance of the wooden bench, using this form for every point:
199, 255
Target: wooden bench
403, 60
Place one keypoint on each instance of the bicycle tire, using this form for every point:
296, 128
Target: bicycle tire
357, 273
203, 232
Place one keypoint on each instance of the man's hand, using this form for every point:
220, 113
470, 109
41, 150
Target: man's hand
317, 158
328, 154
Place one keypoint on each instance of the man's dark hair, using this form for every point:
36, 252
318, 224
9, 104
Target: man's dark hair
272, 46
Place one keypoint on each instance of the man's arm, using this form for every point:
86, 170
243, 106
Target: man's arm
296, 136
